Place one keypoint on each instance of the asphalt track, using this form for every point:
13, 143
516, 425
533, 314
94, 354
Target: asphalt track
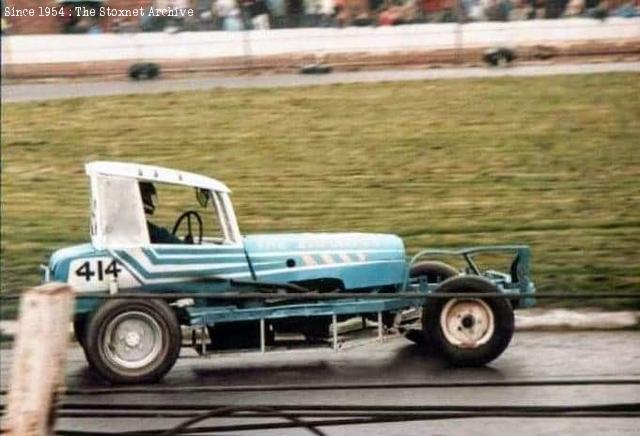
74, 89
531, 356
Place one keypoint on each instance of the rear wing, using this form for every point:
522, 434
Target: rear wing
519, 270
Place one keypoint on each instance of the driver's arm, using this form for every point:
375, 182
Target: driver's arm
160, 235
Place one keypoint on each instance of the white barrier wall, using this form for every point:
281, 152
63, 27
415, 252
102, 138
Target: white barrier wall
33, 49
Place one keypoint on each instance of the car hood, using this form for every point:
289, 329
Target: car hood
384, 245
357, 260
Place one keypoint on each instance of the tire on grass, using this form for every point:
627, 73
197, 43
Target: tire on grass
133, 341
468, 331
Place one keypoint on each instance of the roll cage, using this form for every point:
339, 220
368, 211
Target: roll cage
117, 213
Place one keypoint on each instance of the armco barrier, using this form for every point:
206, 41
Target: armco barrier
56, 49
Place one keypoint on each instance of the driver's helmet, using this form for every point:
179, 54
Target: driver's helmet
149, 197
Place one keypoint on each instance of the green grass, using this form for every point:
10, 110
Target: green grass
552, 162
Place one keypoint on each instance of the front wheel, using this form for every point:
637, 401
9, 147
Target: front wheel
134, 341
468, 331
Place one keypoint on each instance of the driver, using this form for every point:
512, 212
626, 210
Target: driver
157, 234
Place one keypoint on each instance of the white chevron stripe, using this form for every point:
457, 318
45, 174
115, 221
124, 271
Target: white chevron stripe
198, 256
309, 260
196, 247
311, 252
145, 263
129, 268
195, 253
344, 257
159, 281
327, 259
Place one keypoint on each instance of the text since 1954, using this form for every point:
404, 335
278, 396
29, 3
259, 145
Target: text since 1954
102, 11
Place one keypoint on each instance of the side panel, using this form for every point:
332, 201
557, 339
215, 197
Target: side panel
175, 266
358, 260
158, 268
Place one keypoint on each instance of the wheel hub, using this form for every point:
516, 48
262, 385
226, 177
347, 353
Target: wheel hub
132, 340
467, 323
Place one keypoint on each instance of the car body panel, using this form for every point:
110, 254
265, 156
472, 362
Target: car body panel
117, 261
358, 260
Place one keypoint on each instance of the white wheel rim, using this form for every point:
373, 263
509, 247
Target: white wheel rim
467, 323
132, 340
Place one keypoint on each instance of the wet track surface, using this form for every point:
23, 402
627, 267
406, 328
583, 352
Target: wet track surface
531, 356
48, 91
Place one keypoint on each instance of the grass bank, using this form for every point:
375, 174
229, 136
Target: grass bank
552, 162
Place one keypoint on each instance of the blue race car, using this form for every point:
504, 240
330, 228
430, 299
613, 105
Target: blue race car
239, 291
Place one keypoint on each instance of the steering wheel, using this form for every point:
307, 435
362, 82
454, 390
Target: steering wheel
188, 239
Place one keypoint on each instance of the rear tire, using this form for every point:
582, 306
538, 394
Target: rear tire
434, 272
468, 332
133, 341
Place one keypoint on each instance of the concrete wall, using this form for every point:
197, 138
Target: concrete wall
35, 49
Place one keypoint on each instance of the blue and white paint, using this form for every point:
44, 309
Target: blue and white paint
358, 260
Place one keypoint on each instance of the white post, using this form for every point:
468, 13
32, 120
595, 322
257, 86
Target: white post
334, 327
263, 347
380, 327
203, 339
39, 354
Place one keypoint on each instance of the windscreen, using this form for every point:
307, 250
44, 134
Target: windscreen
120, 219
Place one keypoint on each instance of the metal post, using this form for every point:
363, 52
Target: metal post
334, 326
380, 332
458, 32
263, 347
246, 46
203, 339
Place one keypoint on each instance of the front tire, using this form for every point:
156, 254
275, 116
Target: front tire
80, 330
468, 331
133, 341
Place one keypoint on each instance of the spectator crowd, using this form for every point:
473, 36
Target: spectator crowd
233, 15
264, 14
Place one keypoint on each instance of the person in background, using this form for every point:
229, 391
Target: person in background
229, 12
259, 14
575, 8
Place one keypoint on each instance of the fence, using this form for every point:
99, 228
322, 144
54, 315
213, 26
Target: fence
416, 43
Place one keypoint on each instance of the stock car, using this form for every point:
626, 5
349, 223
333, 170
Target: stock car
136, 293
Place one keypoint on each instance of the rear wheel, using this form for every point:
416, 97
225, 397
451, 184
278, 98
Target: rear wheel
468, 331
133, 341
432, 271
